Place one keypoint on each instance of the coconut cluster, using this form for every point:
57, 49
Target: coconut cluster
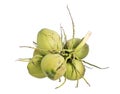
54, 58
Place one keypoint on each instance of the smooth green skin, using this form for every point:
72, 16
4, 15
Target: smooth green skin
34, 67
73, 43
71, 74
48, 41
53, 65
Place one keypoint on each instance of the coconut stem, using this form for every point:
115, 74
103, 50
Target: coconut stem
61, 84
86, 81
27, 47
35, 48
59, 80
77, 84
73, 26
82, 43
24, 59
62, 30
94, 65
35, 43
61, 34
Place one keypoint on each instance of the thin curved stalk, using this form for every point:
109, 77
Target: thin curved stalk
61, 84
86, 81
27, 47
94, 65
24, 59
73, 25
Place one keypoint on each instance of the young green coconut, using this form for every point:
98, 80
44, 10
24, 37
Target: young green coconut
48, 41
73, 43
75, 70
34, 67
53, 66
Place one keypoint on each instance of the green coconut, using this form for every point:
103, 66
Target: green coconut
34, 67
75, 70
53, 65
48, 41
73, 43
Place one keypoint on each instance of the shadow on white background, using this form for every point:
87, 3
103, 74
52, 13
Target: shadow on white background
20, 20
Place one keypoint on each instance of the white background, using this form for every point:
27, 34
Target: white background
20, 20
